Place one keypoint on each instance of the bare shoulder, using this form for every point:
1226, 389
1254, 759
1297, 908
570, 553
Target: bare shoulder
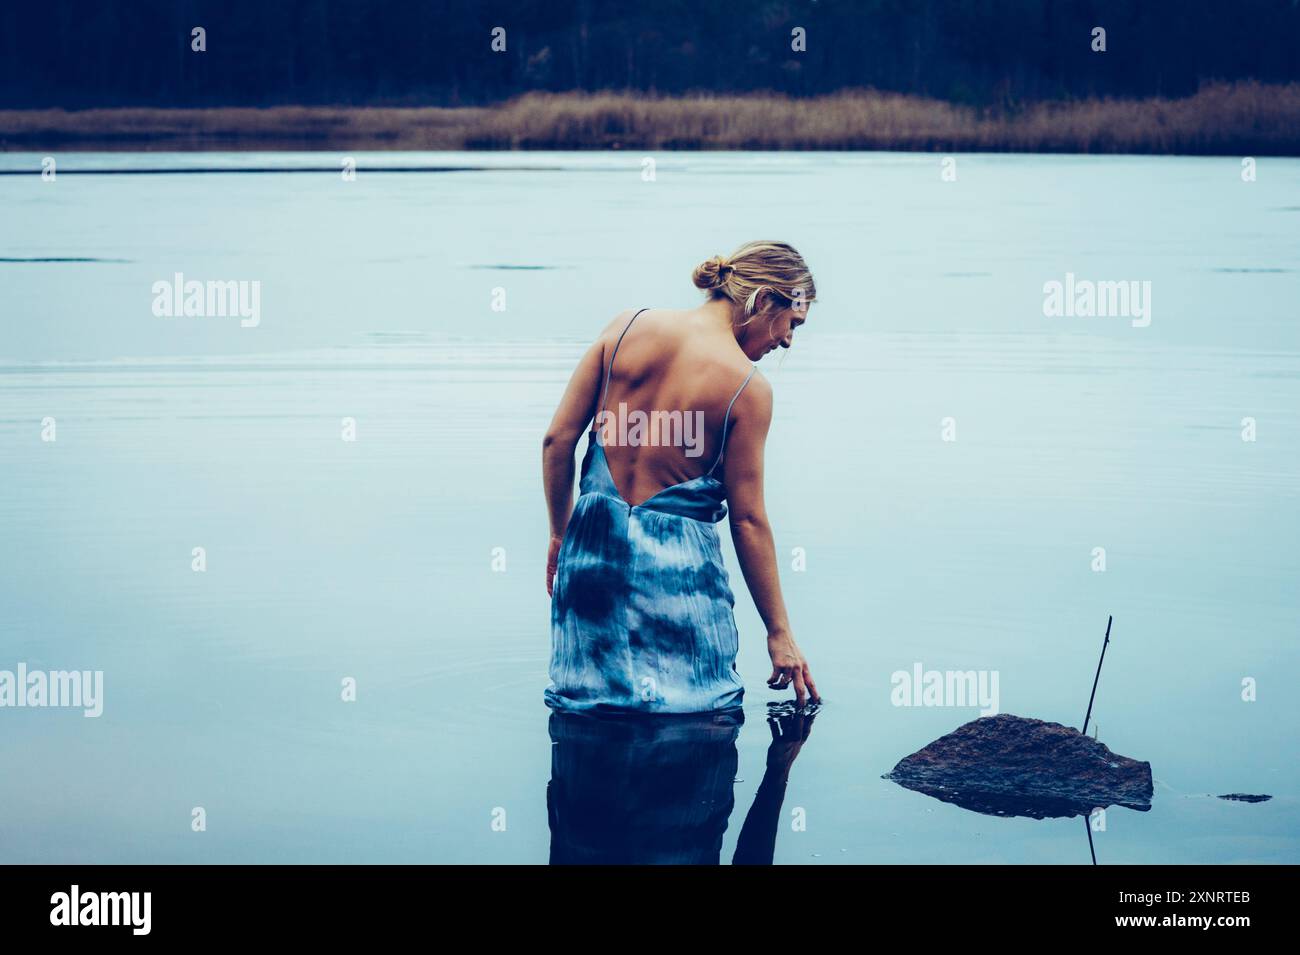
616, 324
755, 402
760, 387
657, 329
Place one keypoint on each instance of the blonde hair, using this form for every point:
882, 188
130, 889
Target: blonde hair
755, 268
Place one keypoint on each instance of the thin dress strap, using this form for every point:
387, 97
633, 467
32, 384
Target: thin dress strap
726, 421
610, 369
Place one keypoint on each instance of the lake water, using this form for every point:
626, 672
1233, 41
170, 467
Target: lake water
381, 559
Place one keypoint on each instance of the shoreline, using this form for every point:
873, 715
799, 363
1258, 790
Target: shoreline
1245, 118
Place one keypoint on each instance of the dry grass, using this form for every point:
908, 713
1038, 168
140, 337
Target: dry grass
1241, 118
281, 127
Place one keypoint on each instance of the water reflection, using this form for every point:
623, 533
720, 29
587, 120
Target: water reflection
659, 790
1010, 803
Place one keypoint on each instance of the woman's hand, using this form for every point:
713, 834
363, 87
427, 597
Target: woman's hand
789, 666
552, 562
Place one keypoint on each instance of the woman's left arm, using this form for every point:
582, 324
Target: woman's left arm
571, 418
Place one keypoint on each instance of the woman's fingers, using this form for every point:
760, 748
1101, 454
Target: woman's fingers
800, 677
781, 677
552, 563
812, 687
800, 691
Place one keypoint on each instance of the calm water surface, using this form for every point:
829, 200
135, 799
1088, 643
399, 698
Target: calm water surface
374, 559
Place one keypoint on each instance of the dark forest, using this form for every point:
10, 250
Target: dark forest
405, 53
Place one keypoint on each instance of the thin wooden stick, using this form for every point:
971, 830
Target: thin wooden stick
1086, 716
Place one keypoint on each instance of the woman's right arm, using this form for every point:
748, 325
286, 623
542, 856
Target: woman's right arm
575, 412
752, 535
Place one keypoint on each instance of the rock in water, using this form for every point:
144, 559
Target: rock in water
1006, 765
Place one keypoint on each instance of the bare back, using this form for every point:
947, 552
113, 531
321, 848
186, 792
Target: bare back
666, 400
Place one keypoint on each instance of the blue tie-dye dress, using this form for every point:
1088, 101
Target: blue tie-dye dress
641, 609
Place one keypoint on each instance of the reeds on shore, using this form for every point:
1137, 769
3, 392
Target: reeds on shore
1246, 118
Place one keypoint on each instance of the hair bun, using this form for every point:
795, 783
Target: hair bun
756, 277
712, 273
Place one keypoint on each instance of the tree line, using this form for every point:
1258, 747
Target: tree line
98, 53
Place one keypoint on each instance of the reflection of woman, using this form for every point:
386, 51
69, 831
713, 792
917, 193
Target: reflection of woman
641, 612
647, 790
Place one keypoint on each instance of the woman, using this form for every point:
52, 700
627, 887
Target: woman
641, 609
